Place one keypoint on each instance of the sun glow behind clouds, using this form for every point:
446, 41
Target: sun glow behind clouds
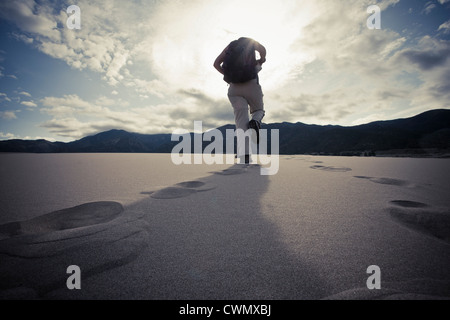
189, 36
323, 64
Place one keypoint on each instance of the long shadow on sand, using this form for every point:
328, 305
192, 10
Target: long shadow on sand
218, 245
203, 239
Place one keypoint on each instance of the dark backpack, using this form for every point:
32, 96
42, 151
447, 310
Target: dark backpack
240, 61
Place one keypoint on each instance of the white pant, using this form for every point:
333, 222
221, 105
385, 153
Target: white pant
242, 96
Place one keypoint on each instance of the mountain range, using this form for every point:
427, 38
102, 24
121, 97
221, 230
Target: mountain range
427, 134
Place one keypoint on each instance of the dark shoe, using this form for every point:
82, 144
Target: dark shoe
255, 125
244, 159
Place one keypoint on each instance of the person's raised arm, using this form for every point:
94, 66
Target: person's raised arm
219, 60
262, 52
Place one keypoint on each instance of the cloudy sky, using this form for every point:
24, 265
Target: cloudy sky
146, 65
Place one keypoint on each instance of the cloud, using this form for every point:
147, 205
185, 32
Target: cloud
351, 65
430, 64
429, 6
68, 105
23, 38
4, 96
212, 111
322, 107
73, 117
8, 115
101, 44
2, 69
12, 136
445, 27
30, 17
153, 87
29, 104
7, 136
428, 59
24, 93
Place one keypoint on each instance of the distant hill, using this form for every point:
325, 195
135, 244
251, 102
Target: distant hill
427, 134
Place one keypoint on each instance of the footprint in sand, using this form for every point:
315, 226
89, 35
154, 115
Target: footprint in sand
183, 189
198, 186
97, 237
331, 169
81, 216
172, 193
387, 181
187, 188
231, 172
409, 204
422, 218
415, 289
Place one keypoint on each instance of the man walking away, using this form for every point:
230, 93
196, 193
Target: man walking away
238, 64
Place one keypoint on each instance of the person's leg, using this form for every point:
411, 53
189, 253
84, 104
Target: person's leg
258, 115
255, 98
256, 102
240, 106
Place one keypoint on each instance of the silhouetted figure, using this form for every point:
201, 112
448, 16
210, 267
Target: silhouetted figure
238, 64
